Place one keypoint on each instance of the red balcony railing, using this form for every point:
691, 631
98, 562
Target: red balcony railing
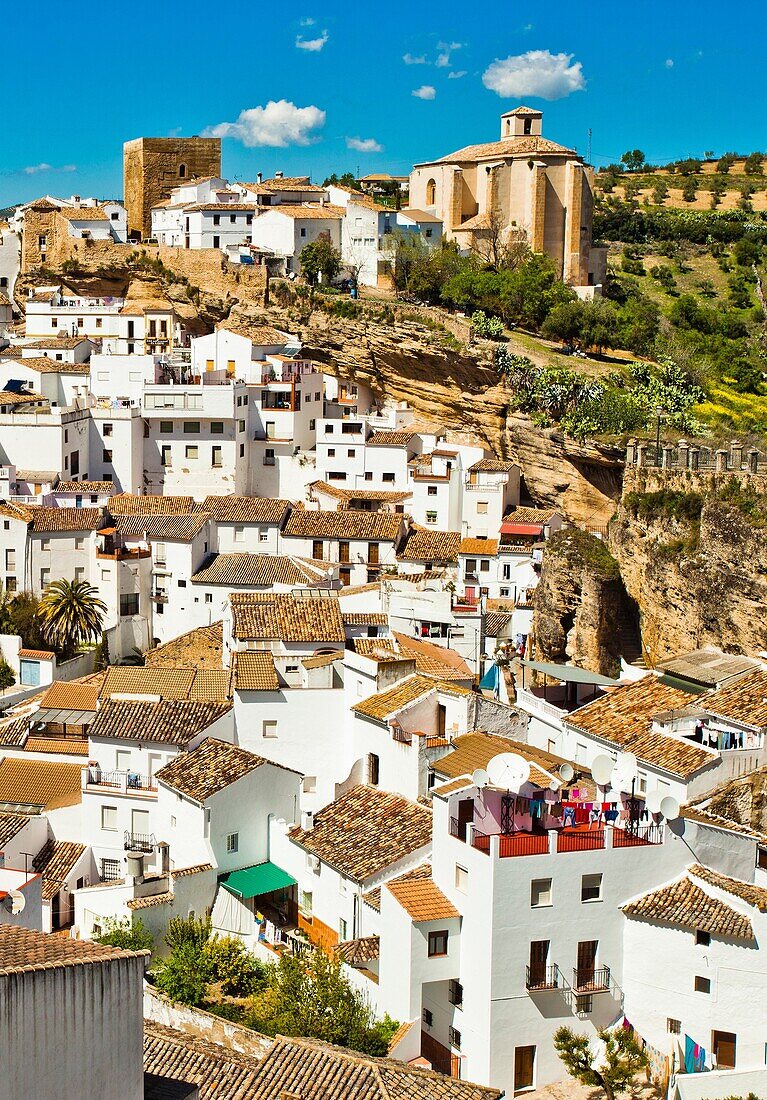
645, 834
515, 844
580, 841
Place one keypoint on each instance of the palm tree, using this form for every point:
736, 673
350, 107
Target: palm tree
71, 614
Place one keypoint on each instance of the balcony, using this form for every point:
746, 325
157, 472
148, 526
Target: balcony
139, 842
514, 844
118, 782
581, 839
540, 978
591, 979
159, 596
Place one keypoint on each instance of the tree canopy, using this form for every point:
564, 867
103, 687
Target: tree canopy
320, 258
611, 1067
71, 614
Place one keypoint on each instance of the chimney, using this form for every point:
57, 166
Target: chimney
307, 820
278, 175
260, 177
135, 868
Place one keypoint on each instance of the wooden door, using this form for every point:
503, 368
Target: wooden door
317, 549
524, 1068
723, 1044
373, 555
441, 719
587, 957
465, 816
343, 551
539, 957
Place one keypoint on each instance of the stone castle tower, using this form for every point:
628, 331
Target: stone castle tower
152, 167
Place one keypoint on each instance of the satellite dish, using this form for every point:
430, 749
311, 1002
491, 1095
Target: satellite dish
602, 769
566, 772
669, 807
625, 771
480, 778
653, 801
15, 902
508, 770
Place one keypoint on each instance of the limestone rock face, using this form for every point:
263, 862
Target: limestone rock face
743, 800
580, 605
695, 586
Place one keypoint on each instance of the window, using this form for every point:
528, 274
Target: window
454, 1037
191, 427
263, 534
239, 534
303, 232
305, 902
761, 858
431, 192
106, 574
428, 1018
374, 769
437, 943
10, 584
129, 603
540, 892
484, 565
702, 939
10, 560
79, 544
240, 425
387, 477
217, 219
191, 452
208, 597
431, 491
79, 573
110, 870
232, 219
109, 818
331, 452
350, 452
107, 456
481, 507
182, 584
431, 517
216, 427
461, 879
591, 887
215, 456
723, 1045
182, 171
342, 929
455, 993
45, 577
673, 1027
166, 427
165, 455
233, 842
242, 450
269, 728
45, 544
702, 985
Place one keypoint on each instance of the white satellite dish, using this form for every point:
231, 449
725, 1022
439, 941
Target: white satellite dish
566, 772
669, 807
602, 769
15, 902
480, 778
508, 770
653, 801
625, 771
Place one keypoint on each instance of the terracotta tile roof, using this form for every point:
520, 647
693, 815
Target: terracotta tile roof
623, 718
131, 504
255, 672
83, 214
305, 1069
685, 904
433, 660
21, 512
170, 722
743, 701
10, 398
14, 733
164, 527
356, 589
322, 659
391, 439
54, 862
539, 516
64, 746
289, 616
431, 546
259, 570
385, 703
479, 547
199, 648
85, 487
258, 334
705, 816
41, 364
23, 949
376, 649
492, 466
53, 520
167, 682
373, 897
61, 343
208, 769
746, 891
46, 783
196, 869
312, 212
365, 618
359, 494
360, 951
365, 831
283, 183
524, 145
151, 901
250, 207
63, 695
138, 306
496, 622
37, 654
234, 509
422, 899
10, 825
344, 524
219, 1072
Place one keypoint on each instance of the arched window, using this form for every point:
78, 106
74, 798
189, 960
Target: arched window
182, 171
431, 193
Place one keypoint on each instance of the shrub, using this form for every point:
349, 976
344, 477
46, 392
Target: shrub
184, 975
489, 327
238, 971
131, 935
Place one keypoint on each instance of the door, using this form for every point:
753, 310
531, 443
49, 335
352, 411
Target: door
587, 957
317, 549
343, 551
723, 1045
524, 1068
441, 719
373, 556
465, 816
539, 957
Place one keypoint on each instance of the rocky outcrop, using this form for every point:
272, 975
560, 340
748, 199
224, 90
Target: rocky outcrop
743, 801
580, 605
697, 581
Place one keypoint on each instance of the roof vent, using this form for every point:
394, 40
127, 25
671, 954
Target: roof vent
307, 821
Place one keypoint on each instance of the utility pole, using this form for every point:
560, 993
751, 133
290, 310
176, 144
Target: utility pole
588, 153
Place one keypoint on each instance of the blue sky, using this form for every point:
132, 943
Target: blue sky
673, 79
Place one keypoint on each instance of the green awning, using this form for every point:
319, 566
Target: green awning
570, 673
251, 882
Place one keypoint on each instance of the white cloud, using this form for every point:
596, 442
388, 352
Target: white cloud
412, 59
528, 27
314, 45
69, 168
278, 125
669, 63
425, 92
535, 73
33, 169
443, 57
364, 145
456, 74
307, 22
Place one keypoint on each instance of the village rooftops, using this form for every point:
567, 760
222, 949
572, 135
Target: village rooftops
170, 528
360, 951
536, 517
623, 718
46, 784
744, 701
421, 899
168, 722
69, 696
391, 439
54, 862
218, 1072
708, 667
309, 212
208, 769
492, 466
85, 487
131, 504
433, 660
260, 571
313, 616
284, 183
365, 831
430, 546
84, 214
373, 897
41, 364
522, 146
234, 509
199, 648
470, 751
345, 525
49, 521
479, 547
255, 672
686, 904
24, 949
57, 343
163, 682
10, 826
386, 703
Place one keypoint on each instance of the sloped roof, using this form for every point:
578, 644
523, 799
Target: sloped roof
24, 949
685, 904
479, 547
360, 951
431, 546
258, 570
286, 615
365, 831
492, 466
433, 660
743, 701
130, 504
385, 703
199, 648
208, 769
46, 783
54, 862
170, 722
10, 825
746, 891
55, 520
525, 145
63, 695
220, 1072
179, 682
238, 509
373, 897
255, 671
182, 528
344, 524
422, 899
